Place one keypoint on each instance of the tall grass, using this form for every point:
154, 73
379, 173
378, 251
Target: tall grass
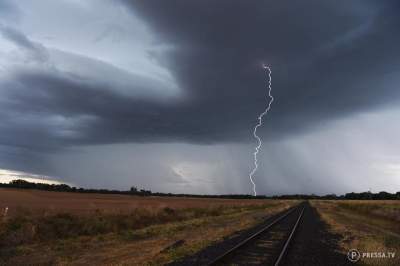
24, 227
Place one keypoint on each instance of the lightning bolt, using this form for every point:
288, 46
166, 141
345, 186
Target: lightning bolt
260, 117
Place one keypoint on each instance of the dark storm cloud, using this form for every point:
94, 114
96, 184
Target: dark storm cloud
17, 37
42, 105
329, 59
20, 40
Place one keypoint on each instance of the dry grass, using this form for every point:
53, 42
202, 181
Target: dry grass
129, 237
368, 226
49, 202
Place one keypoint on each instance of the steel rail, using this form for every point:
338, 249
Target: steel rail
284, 249
253, 236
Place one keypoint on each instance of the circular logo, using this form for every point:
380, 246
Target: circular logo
353, 255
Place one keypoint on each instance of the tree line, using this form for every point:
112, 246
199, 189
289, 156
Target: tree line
23, 184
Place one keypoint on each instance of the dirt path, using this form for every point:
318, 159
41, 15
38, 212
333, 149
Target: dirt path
314, 244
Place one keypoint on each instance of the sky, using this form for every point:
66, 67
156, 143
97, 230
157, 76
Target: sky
164, 95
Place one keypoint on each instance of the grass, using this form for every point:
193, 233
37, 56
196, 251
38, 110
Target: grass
25, 227
138, 237
368, 226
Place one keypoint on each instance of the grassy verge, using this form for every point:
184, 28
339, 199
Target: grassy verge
368, 226
141, 237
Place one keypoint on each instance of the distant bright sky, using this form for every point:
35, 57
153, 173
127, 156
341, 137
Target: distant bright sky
164, 95
7, 176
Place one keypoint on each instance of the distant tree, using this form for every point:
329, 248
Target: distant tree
19, 183
330, 196
22, 184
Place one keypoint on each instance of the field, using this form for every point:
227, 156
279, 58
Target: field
61, 228
368, 226
75, 229
38, 202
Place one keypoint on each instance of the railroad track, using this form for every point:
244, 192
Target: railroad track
268, 246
